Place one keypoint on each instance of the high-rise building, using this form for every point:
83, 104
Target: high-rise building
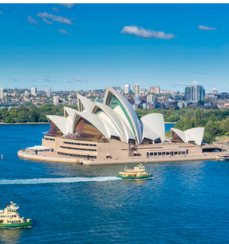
151, 89
127, 89
1, 93
26, 93
136, 90
194, 93
56, 99
214, 91
157, 90
33, 91
48, 92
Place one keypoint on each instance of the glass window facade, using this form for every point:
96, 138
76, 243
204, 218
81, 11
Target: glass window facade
86, 130
176, 138
54, 130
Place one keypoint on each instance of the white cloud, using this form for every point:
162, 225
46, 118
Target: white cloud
139, 31
181, 84
194, 83
202, 27
32, 21
56, 9
67, 5
60, 19
48, 22
64, 32
80, 80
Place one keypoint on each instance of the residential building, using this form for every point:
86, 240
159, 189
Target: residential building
48, 92
33, 91
194, 93
127, 89
137, 100
214, 91
136, 90
224, 95
1, 93
56, 99
157, 90
150, 98
151, 90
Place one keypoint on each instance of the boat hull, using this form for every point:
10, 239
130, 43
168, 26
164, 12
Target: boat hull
135, 177
25, 224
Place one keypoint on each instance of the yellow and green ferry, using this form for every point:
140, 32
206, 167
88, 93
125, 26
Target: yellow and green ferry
9, 217
138, 172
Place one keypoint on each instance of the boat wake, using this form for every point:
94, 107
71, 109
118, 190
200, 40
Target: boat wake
58, 180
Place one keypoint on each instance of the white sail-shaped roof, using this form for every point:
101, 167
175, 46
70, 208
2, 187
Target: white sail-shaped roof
114, 118
155, 122
196, 134
84, 104
191, 135
122, 128
60, 122
180, 133
149, 134
96, 121
126, 111
69, 114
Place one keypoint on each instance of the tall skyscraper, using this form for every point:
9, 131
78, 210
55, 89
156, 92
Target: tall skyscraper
194, 93
157, 90
33, 91
26, 93
151, 90
127, 89
136, 90
48, 92
1, 93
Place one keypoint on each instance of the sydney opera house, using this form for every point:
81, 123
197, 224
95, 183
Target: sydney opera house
112, 130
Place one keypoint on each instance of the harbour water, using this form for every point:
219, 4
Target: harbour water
185, 202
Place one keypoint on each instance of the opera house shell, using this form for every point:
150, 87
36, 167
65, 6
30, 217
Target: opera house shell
110, 129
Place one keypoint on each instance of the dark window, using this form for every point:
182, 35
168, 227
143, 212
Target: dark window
83, 149
77, 155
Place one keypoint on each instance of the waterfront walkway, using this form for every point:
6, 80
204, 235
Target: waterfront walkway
52, 157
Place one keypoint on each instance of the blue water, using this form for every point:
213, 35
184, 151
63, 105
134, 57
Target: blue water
185, 202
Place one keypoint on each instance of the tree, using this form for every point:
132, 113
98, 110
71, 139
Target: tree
8, 119
212, 130
188, 121
173, 118
212, 118
34, 115
224, 125
23, 117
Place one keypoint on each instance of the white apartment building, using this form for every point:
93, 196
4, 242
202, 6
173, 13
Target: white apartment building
1, 93
48, 92
33, 91
127, 89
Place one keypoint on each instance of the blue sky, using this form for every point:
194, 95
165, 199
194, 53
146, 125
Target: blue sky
91, 46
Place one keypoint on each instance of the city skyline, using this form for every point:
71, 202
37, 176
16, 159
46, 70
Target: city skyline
57, 46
